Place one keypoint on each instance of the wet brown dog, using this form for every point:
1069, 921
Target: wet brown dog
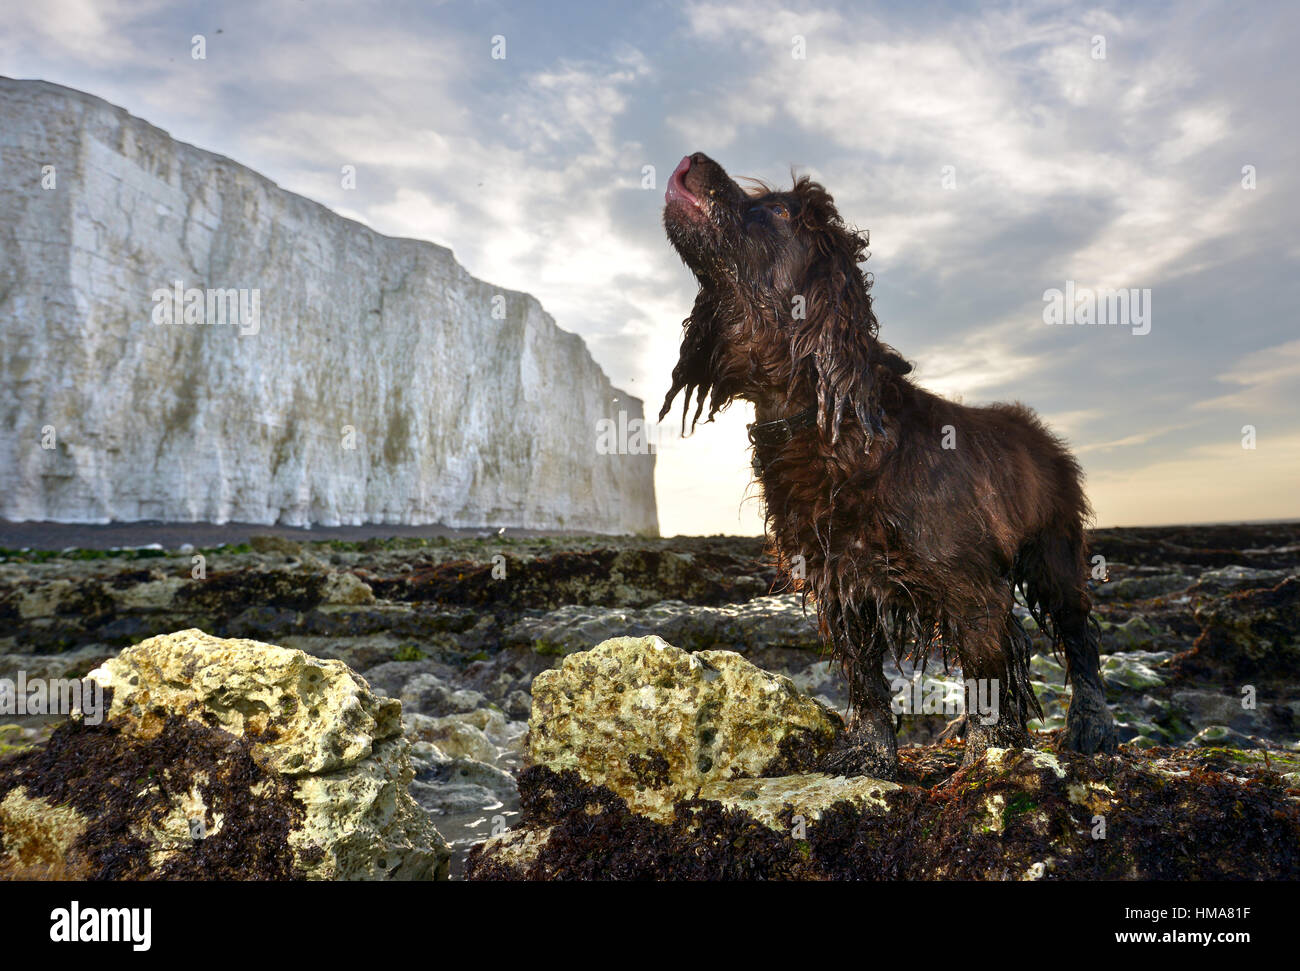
910, 519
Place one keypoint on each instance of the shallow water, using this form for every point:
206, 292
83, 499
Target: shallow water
463, 830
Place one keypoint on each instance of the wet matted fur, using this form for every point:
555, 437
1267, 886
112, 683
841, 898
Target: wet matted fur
910, 519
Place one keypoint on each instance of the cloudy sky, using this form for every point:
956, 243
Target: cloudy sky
994, 152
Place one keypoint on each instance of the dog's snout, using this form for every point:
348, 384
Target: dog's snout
704, 177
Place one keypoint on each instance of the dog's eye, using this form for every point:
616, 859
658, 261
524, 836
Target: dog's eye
777, 209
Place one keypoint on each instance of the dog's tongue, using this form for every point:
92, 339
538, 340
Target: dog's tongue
677, 185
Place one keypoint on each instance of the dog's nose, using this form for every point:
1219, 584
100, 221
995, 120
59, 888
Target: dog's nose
699, 158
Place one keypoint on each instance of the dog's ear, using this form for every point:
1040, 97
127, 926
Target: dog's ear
890, 358
694, 369
835, 345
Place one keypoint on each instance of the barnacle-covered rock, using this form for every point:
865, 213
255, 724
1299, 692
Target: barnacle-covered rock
222, 759
636, 713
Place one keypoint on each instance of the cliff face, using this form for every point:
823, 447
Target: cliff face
197, 344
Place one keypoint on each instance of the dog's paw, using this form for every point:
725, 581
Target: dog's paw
1089, 733
1089, 726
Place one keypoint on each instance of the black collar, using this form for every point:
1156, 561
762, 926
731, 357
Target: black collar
782, 430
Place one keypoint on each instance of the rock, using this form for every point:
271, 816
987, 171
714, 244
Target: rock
1134, 670
269, 436
324, 717
519, 705
1231, 579
1219, 736
347, 588
391, 677
1205, 708
754, 625
1143, 586
1047, 669
450, 798
602, 579
637, 713
454, 736
806, 795
70, 664
14, 739
1134, 634
1254, 633
270, 543
462, 786
648, 762
427, 694
225, 759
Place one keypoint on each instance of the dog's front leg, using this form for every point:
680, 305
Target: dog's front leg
869, 746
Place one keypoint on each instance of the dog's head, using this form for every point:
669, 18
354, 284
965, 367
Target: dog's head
783, 309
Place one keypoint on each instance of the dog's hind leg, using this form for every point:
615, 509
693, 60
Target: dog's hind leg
869, 747
1089, 726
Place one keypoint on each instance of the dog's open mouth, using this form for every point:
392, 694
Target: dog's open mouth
679, 195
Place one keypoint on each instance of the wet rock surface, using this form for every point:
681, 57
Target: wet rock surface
1198, 635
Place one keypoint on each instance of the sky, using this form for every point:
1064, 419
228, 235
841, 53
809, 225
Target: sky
994, 152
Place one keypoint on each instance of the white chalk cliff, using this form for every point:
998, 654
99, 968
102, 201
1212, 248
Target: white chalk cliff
368, 381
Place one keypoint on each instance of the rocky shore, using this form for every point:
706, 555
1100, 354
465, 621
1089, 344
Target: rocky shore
1201, 655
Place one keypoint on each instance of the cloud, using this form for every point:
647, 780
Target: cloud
1128, 441
1116, 172
1267, 380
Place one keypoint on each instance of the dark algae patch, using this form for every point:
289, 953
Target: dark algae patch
594, 836
651, 771
124, 786
635, 577
1162, 814
1158, 825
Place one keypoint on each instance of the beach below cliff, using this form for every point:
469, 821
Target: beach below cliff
1200, 633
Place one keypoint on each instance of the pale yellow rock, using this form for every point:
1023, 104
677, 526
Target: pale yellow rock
347, 588
367, 822
636, 713
516, 848
325, 715
172, 833
314, 721
808, 795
